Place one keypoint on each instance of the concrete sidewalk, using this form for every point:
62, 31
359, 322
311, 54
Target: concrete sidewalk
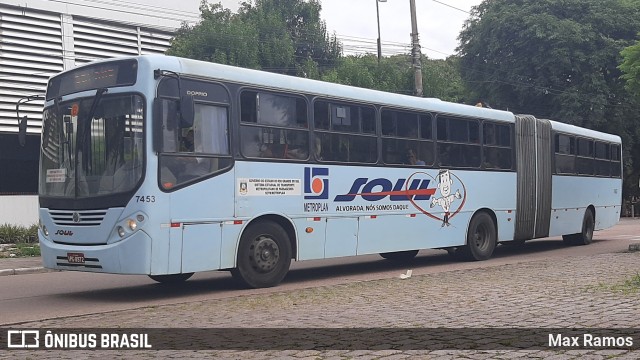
19, 266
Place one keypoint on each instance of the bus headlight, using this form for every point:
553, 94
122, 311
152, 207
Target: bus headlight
45, 231
133, 225
128, 225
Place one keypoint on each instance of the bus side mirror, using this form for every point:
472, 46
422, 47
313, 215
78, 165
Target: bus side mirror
187, 111
22, 131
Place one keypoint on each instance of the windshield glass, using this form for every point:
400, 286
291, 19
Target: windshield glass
92, 146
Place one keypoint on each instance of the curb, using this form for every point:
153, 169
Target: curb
24, 271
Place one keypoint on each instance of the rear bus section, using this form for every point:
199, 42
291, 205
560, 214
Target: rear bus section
587, 183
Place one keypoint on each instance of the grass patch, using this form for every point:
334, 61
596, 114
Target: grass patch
629, 286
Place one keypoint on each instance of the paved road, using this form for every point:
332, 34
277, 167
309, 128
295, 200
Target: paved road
550, 287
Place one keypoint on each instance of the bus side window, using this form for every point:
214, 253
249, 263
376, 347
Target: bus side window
497, 151
565, 154
204, 148
458, 142
346, 131
274, 126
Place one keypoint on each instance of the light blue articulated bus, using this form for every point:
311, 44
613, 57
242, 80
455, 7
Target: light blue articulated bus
163, 166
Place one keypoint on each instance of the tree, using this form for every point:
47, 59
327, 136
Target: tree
394, 74
294, 26
555, 59
442, 80
285, 36
219, 37
548, 57
630, 68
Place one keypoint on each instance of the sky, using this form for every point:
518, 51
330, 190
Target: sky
353, 21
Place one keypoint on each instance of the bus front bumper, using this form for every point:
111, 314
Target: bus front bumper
131, 255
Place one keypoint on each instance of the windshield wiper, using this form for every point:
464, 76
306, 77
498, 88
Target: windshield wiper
87, 124
96, 101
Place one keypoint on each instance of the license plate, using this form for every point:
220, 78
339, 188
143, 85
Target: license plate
75, 258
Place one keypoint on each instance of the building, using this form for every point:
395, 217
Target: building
40, 38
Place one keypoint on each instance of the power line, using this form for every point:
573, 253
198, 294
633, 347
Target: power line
162, 9
117, 10
451, 6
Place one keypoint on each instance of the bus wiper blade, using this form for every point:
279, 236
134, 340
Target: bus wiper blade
96, 101
92, 111
90, 115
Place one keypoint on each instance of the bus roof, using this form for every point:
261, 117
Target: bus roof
314, 87
275, 81
572, 129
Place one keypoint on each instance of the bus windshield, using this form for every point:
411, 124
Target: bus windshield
92, 146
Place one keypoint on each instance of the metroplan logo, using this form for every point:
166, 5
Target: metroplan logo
316, 183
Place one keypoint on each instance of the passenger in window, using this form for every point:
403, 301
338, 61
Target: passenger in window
491, 156
483, 104
296, 145
266, 151
317, 148
186, 145
412, 159
297, 153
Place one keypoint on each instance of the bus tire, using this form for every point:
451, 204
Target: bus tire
264, 255
481, 238
400, 255
585, 237
171, 278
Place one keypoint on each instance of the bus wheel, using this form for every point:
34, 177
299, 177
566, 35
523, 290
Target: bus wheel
400, 255
481, 238
264, 255
586, 236
172, 278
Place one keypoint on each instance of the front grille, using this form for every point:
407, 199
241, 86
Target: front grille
78, 218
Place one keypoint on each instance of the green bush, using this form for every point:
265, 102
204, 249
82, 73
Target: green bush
26, 250
10, 234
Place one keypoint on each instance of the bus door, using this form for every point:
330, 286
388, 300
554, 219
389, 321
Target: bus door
533, 159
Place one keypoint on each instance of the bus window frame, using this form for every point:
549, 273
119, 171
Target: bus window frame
376, 134
576, 137
417, 139
224, 102
449, 142
496, 144
239, 153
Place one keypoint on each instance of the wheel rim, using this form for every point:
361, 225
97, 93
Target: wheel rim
588, 232
264, 254
481, 237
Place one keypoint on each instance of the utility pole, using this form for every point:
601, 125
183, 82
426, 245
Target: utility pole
379, 41
415, 50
